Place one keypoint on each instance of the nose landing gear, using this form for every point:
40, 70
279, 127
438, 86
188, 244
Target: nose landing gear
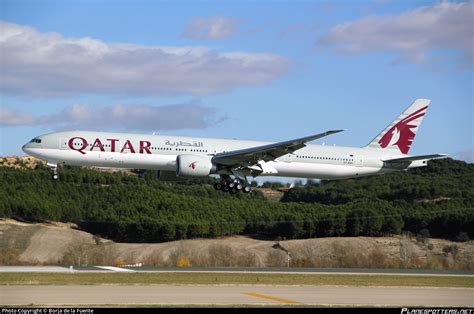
53, 167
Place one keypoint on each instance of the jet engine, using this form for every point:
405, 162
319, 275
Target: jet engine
194, 166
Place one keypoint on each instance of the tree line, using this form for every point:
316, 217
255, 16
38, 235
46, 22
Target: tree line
141, 208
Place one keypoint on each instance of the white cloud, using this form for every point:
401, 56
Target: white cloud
215, 27
12, 117
444, 25
467, 155
117, 117
47, 64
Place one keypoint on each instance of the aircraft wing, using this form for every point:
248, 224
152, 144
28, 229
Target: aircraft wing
414, 158
251, 156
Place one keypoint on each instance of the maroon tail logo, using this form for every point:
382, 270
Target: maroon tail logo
401, 134
193, 165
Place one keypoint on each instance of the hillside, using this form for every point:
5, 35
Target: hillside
436, 201
61, 244
23, 162
443, 179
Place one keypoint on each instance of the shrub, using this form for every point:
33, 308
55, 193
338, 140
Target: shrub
462, 237
423, 236
452, 249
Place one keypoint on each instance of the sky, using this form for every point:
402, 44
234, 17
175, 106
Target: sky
260, 70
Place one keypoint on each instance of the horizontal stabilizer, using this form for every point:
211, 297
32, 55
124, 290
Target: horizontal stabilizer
414, 158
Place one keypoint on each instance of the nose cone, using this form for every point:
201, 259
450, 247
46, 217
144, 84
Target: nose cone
26, 149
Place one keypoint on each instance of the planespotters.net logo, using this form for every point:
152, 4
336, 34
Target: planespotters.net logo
437, 311
401, 134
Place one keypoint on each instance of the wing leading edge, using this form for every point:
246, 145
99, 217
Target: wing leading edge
251, 156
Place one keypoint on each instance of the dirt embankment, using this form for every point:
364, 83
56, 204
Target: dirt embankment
20, 162
58, 243
28, 162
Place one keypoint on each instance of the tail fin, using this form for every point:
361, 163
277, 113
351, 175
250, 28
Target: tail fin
399, 135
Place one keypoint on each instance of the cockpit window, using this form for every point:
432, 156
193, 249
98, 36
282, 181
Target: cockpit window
36, 140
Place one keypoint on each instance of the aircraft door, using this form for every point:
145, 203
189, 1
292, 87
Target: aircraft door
63, 143
287, 157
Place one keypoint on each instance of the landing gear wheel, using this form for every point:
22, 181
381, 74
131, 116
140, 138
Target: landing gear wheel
247, 189
218, 186
239, 186
55, 177
225, 188
233, 191
231, 185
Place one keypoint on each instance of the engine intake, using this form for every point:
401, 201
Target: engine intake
194, 166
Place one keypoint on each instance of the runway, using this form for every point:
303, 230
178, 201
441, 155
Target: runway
234, 295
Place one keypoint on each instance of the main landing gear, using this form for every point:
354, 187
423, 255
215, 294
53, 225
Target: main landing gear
233, 186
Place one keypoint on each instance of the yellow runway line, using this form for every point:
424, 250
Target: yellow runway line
264, 296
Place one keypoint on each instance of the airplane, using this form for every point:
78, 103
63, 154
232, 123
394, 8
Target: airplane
235, 160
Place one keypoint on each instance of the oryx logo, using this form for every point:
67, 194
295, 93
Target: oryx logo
193, 165
401, 134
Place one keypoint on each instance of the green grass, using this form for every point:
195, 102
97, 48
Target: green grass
226, 278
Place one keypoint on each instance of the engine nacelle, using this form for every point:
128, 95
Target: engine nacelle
194, 166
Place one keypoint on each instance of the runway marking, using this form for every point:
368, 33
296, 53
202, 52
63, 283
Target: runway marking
264, 296
115, 268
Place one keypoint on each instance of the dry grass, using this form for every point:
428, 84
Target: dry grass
345, 255
13, 241
86, 254
20, 162
232, 278
215, 255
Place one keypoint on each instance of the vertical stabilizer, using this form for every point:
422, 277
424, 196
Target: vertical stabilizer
399, 135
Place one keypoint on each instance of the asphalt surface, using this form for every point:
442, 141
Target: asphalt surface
235, 295
33, 269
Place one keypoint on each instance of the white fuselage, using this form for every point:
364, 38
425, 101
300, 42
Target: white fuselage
155, 152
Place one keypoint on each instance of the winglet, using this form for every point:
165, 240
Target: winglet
330, 132
335, 131
303, 140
